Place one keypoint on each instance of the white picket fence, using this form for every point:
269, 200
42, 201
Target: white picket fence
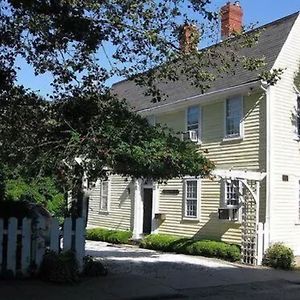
23, 244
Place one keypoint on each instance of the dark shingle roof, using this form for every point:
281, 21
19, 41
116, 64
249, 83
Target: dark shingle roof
271, 41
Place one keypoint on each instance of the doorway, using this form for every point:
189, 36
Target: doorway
147, 199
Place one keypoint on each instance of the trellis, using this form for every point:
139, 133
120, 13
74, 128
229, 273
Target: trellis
252, 241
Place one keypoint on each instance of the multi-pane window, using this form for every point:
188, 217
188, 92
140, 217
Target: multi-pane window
193, 114
191, 199
234, 108
298, 116
151, 120
104, 195
232, 188
299, 200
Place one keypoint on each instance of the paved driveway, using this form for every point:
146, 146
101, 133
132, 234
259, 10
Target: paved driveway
175, 276
142, 274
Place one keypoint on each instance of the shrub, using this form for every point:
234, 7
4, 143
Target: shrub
191, 246
279, 256
110, 236
93, 267
59, 268
161, 242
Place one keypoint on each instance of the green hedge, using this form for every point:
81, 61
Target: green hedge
110, 236
191, 246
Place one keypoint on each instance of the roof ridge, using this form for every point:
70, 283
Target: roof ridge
274, 22
262, 27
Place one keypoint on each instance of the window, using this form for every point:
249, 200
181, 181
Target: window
191, 198
193, 124
231, 205
151, 120
232, 191
104, 195
299, 201
233, 117
298, 116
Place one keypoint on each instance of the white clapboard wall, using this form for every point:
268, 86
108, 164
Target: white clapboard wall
23, 244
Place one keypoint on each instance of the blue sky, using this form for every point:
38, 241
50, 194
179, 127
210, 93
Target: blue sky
255, 11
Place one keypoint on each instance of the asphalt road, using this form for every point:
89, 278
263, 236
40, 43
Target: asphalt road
143, 274
175, 276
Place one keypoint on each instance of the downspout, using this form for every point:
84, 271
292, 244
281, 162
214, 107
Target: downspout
266, 88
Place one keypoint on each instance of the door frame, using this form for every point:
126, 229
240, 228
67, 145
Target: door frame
138, 219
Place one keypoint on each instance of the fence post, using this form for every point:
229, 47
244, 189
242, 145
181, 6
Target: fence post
80, 241
12, 244
40, 242
26, 245
54, 236
1, 243
67, 234
260, 242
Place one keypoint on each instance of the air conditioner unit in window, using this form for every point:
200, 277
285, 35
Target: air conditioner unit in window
230, 214
191, 135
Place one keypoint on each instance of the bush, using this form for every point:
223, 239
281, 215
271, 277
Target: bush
59, 268
93, 267
161, 242
191, 246
110, 236
279, 256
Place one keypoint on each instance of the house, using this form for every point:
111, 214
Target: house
251, 132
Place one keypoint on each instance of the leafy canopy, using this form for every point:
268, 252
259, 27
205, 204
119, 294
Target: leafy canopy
69, 39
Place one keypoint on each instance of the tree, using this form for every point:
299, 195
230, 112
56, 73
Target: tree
69, 38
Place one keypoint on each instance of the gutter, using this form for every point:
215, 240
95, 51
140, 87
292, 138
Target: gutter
200, 98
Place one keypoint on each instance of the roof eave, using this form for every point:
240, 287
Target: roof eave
202, 98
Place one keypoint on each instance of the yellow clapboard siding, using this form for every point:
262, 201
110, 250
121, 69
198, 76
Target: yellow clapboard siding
248, 153
119, 215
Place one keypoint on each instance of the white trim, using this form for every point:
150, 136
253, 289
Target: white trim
151, 122
297, 221
201, 98
200, 129
100, 182
239, 174
138, 217
155, 208
269, 188
198, 211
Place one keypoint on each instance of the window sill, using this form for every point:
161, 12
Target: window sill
102, 212
232, 139
191, 219
198, 142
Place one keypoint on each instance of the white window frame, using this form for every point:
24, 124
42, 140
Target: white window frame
298, 117
231, 182
100, 182
236, 206
241, 127
199, 130
198, 199
151, 119
298, 202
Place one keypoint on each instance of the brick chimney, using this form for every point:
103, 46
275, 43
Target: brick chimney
188, 38
231, 19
